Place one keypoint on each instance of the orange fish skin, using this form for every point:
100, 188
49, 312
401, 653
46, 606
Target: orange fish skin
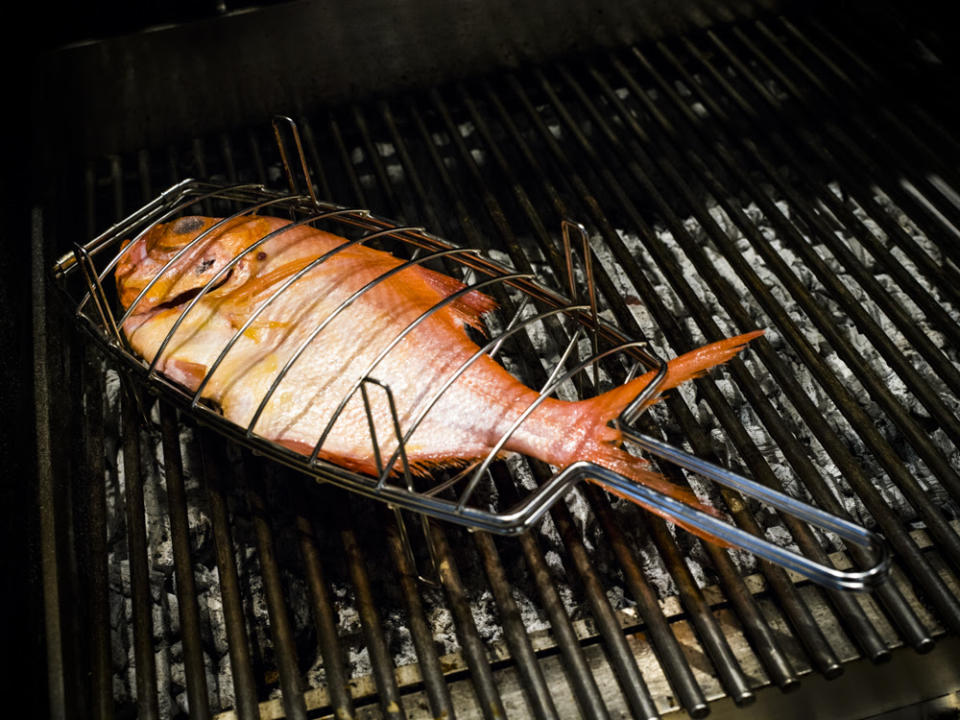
465, 423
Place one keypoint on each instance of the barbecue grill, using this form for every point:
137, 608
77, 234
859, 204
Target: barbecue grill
734, 168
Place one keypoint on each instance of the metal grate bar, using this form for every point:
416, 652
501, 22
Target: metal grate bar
665, 643
785, 440
382, 663
311, 145
621, 658
924, 208
321, 604
870, 164
391, 205
840, 211
849, 407
885, 345
906, 143
760, 350
431, 673
241, 664
944, 323
830, 44
484, 684
196, 678
346, 164
101, 674
849, 154
541, 703
281, 628
147, 704
579, 675
725, 662
410, 173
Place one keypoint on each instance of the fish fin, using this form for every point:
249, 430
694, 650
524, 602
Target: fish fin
419, 466
603, 446
426, 466
356, 463
609, 405
469, 307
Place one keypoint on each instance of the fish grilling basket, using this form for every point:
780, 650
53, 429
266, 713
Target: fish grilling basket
579, 369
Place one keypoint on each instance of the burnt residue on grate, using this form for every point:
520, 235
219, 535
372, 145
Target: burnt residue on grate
747, 176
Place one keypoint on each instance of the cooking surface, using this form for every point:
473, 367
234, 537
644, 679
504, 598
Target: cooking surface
784, 173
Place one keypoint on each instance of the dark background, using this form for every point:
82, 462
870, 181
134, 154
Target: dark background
32, 30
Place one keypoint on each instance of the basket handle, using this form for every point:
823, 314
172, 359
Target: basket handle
825, 575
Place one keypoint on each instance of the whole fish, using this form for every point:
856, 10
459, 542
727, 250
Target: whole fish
357, 338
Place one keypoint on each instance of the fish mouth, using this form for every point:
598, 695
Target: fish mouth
188, 295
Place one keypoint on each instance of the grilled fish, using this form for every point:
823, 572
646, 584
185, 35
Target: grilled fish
343, 335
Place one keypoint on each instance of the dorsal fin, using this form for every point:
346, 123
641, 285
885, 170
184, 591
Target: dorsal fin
470, 307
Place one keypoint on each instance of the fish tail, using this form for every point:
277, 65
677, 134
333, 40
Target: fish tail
603, 446
604, 408
685, 367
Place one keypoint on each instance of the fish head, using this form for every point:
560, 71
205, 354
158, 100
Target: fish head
175, 261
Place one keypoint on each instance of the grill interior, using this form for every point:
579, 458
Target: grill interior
788, 172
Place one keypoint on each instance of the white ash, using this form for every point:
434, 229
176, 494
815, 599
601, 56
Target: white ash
401, 641
483, 609
226, 695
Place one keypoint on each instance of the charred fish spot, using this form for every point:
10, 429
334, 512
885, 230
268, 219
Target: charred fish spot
186, 225
261, 256
204, 266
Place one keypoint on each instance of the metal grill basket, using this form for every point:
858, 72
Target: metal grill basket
85, 275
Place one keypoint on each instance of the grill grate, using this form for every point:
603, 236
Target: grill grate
764, 174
